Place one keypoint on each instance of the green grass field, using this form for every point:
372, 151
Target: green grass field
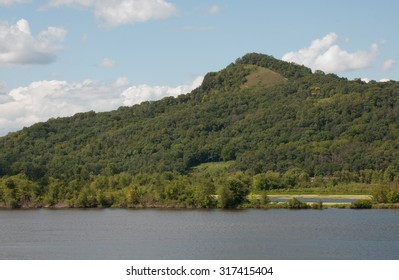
263, 77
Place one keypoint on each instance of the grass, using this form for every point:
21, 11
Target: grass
262, 77
340, 189
213, 168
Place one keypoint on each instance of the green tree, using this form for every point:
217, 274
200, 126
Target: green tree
87, 198
294, 176
232, 193
19, 191
268, 181
204, 195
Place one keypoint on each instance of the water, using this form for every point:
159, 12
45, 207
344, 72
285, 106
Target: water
314, 199
199, 234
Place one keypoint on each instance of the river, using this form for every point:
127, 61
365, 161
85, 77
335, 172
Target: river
199, 234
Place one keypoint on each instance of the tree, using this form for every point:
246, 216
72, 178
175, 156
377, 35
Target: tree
204, 195
295, 176
19, 191
232, 193
87, 198
53, 195
268, 181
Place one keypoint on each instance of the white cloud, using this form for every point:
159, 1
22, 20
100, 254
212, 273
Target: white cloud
11, 2
19, 46
388, 64
138, 94
367, 80
42, 100
214, 9
324, 54
107, 63
119, 12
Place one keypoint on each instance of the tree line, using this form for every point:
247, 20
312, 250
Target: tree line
199, 189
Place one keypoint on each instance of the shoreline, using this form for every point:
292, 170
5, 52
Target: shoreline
271, 205
253, 202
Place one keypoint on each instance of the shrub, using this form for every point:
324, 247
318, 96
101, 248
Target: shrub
385, 194
295, 203
379, 194
317, 205
362, 204
393, 197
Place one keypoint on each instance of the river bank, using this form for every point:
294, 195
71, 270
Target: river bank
274, 201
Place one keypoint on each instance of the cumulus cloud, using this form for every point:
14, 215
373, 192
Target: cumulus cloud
119, 12
19, 46
107, 63
42, 100
388, 64
367, 80
324, 54
138, 94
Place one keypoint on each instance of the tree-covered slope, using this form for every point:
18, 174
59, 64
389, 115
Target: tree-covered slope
260, 113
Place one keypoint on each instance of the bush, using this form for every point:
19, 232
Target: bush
379, 194
393, 197
362, 204
317, 205
385, 194
295, 203
259, 201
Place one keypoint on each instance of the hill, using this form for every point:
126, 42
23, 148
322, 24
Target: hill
276, 124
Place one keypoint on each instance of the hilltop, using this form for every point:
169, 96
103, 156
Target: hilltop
261, 118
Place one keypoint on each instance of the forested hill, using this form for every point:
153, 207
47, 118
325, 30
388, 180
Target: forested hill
260, 114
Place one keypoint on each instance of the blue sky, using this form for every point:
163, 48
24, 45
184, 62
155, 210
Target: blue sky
60, 57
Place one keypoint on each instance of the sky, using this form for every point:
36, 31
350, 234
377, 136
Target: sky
61, 57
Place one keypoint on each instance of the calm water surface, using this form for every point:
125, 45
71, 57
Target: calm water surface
196, 234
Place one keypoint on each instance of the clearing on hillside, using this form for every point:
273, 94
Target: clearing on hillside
213, 168
261, 76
